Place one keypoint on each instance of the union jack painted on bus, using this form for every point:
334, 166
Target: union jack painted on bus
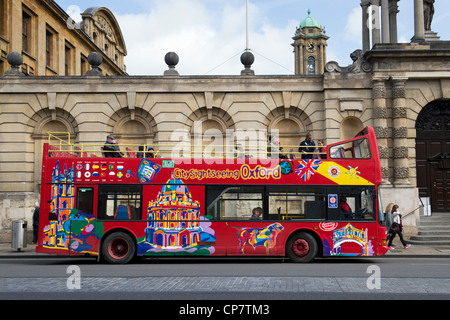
307, 168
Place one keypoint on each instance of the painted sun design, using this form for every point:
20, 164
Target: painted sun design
353, 172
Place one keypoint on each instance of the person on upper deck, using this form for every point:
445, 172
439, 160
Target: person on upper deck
150, 152
320, 148
111, 149
307, 146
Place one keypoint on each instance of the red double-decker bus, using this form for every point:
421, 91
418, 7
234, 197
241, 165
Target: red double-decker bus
118, 208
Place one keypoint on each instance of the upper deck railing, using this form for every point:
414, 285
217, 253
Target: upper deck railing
60, 145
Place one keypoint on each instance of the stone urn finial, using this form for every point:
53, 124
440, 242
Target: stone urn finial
95, 60
171, 59
247, 59
15, 60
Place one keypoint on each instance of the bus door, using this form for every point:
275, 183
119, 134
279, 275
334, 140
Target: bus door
354, 231
84, 238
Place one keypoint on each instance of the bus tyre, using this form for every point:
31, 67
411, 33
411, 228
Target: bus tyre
118, 248
301, 247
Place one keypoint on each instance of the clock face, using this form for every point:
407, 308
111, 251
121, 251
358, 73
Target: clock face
310, 47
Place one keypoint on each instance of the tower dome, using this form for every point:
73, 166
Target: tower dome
309, 22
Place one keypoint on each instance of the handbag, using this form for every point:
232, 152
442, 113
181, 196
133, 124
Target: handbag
395, 227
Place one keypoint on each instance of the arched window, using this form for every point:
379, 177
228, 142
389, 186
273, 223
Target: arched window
287, 131
208, 132
350, 127
212, 138
95, 38
311, 65
172, 241
133, 130
159, 240
45, 121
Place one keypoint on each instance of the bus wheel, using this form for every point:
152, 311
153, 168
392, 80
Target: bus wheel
301, 247
119, 248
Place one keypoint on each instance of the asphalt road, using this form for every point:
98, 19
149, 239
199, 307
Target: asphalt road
235, 280
222, 288
392, 267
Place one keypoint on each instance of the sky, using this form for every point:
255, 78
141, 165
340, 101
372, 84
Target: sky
209, 36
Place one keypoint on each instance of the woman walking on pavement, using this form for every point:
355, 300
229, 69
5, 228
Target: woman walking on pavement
388, 217
396, 227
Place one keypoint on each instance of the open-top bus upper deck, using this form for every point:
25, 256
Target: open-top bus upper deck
351, 162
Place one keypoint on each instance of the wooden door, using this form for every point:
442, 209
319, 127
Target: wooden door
433, 154
440, 178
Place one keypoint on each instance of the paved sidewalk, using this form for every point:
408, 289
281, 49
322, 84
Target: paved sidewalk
179, 285
415, 250
28, 251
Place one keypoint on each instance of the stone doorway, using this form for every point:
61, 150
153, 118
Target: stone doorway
433, 154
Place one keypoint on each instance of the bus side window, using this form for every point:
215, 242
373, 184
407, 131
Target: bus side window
356, 149
293, 202
120, 202
357, 204
346, 207
233, 202
85, 200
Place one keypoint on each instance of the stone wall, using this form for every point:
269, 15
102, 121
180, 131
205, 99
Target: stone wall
386, 90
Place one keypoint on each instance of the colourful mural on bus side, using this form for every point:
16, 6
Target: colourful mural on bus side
174, 221
69, 228
175, 225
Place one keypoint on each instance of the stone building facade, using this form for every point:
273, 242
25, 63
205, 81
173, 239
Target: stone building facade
402, 90
53, 44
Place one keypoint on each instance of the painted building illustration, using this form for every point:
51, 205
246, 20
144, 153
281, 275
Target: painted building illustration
349, 234
69, 228
63, 195
173, 218
62, 203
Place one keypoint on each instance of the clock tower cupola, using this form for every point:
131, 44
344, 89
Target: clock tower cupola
310, 44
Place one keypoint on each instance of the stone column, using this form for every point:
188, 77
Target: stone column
419, 28
365, 25
385, 29
376, 22
302, 60
321, 65
400, 133
393, 10
380, 125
